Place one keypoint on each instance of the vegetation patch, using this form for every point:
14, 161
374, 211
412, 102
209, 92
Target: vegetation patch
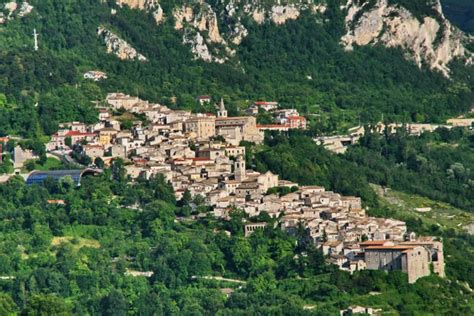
76, 242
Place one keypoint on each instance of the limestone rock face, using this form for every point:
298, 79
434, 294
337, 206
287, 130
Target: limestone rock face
119, 47
199, 17
196, 19
149, 5
14, 9
200, 48
280, 14
238, 33
158, 14
431, 40
214, 29
205, 19
11, 6
138, 4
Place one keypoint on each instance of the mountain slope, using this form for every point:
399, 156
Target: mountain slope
300, 62
213, 30
425, 34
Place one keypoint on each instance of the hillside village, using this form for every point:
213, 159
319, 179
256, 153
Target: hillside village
263, 197
202, 154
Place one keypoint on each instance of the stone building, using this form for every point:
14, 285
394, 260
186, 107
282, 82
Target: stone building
435, 251
411, 259
246, 125
121, 100
251, 227
203, 127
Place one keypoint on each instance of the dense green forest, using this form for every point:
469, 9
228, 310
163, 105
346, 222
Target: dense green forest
461, 13
40, 89
437, 165
297, 158
74, 258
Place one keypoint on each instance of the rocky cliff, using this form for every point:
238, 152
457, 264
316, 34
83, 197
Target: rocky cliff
430, 40
213, 30
202, 21
14, 9
119, 47
199, 24
199, 21
149, 5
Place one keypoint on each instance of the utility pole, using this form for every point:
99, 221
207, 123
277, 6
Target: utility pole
35, 35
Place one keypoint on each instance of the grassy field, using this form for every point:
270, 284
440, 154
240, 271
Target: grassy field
50, 164
76, 242
442, 214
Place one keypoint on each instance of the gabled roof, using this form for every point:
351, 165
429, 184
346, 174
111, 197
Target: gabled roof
77, 133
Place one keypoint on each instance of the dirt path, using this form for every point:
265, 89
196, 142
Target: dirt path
218, 278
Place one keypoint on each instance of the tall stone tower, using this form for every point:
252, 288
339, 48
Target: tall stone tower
239, 169
222, 111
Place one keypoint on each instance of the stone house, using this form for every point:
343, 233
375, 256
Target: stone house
202, 127
252, 227
411, 259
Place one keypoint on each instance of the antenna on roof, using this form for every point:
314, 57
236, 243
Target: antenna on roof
35, 35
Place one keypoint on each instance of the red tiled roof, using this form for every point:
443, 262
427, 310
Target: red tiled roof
300, 118
273, 126
137, 159
396, 247
77, 133
373, 243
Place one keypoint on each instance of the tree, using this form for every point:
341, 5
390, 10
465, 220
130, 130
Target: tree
235, 225
3, 100
126, 124
68, 141
118, 170
49, 304
187, 198
7, 305
316, 260
99, 162
30, 165
114, 304
162, 189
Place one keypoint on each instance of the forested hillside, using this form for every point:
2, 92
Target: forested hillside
437, 165
299, 63
83, 257
117, 246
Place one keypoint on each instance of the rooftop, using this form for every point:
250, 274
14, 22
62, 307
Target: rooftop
38, 177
